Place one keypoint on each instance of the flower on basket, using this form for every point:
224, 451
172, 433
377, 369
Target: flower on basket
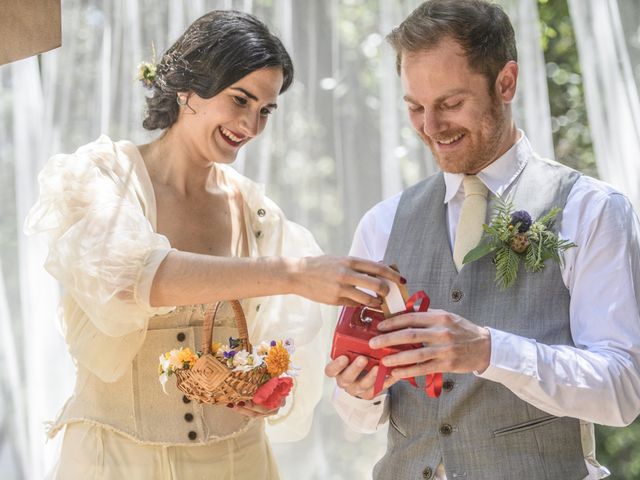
244, 361
277, 360
271, 393
182, 358
274, 358
514, 236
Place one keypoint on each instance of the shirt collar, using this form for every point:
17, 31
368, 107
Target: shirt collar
498, 175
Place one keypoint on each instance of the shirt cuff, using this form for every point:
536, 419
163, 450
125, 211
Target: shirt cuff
364, 416
512, 357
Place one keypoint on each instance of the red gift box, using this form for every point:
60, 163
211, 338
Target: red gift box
357, 325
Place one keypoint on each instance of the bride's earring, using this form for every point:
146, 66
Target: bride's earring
183, 101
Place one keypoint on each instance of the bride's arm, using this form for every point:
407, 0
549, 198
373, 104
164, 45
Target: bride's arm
188, 278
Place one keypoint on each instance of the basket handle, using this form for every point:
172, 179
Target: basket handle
241, 324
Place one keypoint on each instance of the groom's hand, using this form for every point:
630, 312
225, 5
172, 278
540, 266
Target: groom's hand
451, 344
353, 378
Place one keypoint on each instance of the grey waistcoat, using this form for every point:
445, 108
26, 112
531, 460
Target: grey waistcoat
479, 428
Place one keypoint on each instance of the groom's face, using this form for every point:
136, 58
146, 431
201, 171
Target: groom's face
452, 108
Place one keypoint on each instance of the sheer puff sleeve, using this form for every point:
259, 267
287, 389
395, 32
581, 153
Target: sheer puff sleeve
94, 210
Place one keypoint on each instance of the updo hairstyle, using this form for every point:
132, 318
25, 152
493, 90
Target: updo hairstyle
215, 51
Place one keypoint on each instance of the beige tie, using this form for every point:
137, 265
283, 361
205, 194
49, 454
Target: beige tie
472, 216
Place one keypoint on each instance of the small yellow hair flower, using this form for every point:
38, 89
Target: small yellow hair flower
147, 73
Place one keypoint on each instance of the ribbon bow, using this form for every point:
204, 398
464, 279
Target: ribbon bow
433, 381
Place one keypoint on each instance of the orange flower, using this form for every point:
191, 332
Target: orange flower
277, 360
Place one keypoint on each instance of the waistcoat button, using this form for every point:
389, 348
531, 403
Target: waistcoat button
181, 336
456, 295
427, 473
445, 429
192, 435
188, 417
186, 399
447, 385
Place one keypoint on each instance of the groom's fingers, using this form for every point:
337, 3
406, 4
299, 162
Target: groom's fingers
335, 367
367, 381
370, 379
346, 374
351, 374
432, 335
416, 319
413, 356
350, 377
418, 370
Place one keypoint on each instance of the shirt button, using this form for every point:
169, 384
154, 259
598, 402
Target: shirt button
261, 212
259, 234
427, 473
186, 399
447, 385
456, 295
188, 417
258, 308
181, 336
445, 429
192, 435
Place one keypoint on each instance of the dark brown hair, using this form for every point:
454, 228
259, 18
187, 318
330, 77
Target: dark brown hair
215, 51
482, 29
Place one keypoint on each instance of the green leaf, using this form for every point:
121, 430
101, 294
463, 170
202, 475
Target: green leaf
507, 264
531, 258
548, 219
484, 248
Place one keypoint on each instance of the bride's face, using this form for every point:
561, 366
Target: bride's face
216, 128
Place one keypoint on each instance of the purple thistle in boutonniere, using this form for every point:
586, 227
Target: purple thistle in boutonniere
514, 236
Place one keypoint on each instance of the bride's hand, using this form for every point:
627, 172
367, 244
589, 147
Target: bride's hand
339, 280
250, 409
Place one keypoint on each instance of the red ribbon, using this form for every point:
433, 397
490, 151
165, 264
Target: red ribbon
433, 381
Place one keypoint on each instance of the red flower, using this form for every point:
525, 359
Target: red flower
271, 393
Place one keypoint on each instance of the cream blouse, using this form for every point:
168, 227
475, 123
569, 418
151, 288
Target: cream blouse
97, 210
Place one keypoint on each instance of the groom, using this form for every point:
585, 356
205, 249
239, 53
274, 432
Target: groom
528, 369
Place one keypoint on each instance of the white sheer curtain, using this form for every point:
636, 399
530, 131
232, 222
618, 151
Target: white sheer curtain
532, 100
610, 87
339, 143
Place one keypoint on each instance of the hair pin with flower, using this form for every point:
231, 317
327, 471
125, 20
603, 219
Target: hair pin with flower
147, 70
513, 236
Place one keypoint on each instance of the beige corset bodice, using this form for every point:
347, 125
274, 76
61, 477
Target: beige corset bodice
136, 405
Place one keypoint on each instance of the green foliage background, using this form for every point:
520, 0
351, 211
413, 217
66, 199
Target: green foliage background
617, 448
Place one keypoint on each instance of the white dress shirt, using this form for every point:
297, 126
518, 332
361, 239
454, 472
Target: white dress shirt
596, 381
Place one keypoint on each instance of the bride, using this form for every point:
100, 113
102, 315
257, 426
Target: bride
143, 237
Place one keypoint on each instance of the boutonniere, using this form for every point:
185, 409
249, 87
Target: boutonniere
513, 237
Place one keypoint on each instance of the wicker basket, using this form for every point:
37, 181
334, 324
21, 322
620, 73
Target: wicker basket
210, 380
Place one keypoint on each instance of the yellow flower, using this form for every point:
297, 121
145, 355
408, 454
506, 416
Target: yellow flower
185, 355
277, 360
147, 73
